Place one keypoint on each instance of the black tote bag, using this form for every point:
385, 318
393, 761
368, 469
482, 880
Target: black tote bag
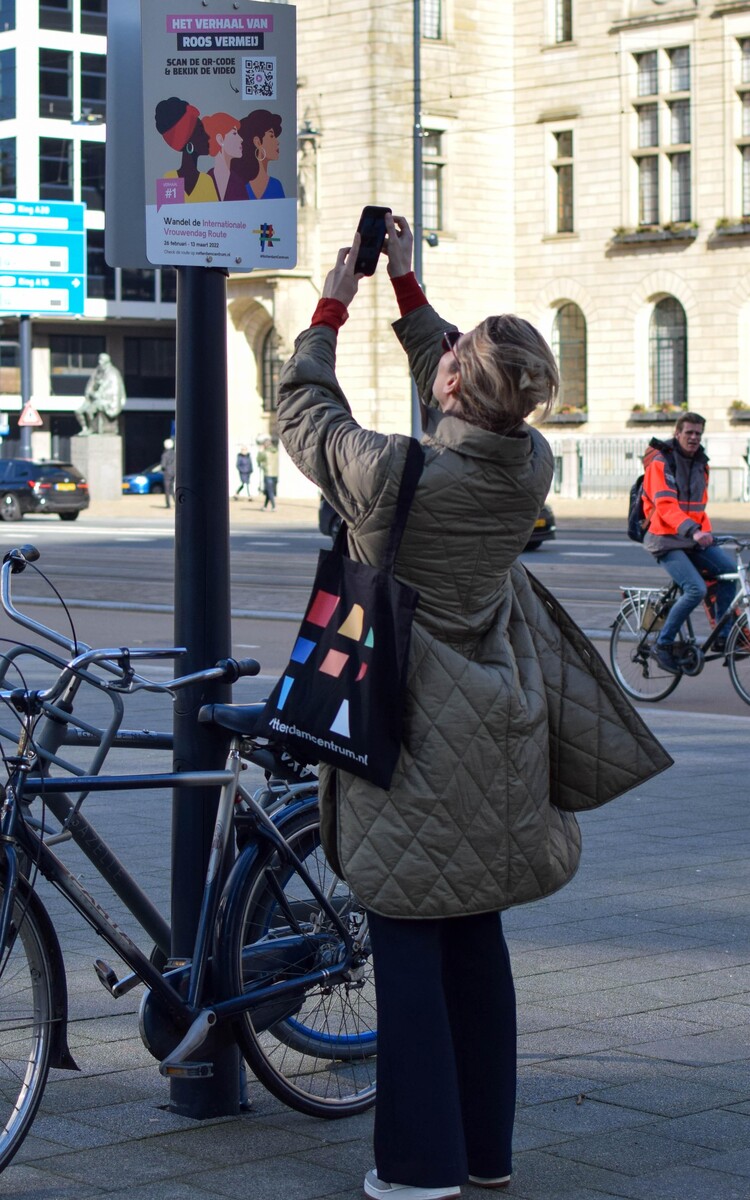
341, 698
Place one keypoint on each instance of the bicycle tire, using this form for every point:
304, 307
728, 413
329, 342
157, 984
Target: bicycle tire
318, 1057
633, 666
26, 1014
738, 657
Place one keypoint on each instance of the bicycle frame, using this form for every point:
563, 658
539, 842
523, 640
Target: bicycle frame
185, 1009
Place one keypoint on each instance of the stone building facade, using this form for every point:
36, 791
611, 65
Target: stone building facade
586, 164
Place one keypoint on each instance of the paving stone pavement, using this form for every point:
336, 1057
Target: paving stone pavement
634, 1015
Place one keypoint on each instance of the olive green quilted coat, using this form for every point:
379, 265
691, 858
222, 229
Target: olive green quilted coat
512, 721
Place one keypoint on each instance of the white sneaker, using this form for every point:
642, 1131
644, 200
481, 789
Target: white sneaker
500, 1182
405, 1191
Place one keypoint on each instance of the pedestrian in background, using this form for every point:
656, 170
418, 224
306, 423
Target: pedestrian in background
245, 470
505, 707
167, 464
268, 461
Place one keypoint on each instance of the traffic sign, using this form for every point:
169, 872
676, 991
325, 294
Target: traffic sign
29, 416
42, 257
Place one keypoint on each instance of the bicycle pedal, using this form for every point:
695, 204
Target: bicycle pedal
187, 1070
106, 975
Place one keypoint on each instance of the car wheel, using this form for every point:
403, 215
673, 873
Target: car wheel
157, 489
68, 516
10, 508
532, 546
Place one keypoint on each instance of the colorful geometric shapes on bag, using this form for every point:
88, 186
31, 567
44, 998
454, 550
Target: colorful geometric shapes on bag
334, 663
286, 687
354, 623
341, 721
370, 640
322, 608
303, 648
362, 672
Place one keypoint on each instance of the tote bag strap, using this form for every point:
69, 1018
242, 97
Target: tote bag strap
413, 468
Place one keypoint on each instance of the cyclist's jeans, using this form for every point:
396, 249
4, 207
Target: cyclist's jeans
685, 566
446, 1049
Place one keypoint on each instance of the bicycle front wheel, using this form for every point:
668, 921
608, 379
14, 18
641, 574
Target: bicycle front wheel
633, 664
738, 657
26, 1009
314, 1051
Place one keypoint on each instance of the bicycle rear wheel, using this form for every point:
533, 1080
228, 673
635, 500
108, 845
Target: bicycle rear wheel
315, 1052
631, 655
26, 1010
738, 657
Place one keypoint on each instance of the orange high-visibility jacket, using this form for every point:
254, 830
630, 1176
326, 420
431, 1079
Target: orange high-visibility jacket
675, 490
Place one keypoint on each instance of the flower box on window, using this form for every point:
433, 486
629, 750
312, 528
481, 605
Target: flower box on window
655, 233
655, 416
739, 414
574, 416
730, 228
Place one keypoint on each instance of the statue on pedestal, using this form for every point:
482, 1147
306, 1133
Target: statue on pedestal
105, 399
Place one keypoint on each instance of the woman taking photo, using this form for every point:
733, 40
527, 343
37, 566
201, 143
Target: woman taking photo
467, 827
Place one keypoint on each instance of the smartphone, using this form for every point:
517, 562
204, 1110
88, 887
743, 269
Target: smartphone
371, 230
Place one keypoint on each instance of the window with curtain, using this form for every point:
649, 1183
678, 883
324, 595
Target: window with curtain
662, 156
563, 20
563, 168
433, 164
668, 354
432, 19
569, 348
271, 364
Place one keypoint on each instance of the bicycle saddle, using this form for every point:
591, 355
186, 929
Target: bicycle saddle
238, 718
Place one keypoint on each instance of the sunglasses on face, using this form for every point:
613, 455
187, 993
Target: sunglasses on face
451, 338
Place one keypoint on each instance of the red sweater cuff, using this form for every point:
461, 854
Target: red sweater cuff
331, 313
408, 293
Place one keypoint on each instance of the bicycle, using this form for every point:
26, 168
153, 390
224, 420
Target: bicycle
281, 954
642, 616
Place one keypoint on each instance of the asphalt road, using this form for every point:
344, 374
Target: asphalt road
118, 578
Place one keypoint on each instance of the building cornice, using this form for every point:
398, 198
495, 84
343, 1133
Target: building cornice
725, 7
644, 21
558, 114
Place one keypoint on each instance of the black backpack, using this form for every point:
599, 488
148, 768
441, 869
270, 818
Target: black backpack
637, 523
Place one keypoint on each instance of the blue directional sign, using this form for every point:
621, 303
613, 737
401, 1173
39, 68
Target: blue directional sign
42, 257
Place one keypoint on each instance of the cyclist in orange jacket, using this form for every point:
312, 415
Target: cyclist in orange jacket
675, 492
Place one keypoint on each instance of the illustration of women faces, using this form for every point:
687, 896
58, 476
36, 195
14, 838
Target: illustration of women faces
225, 147
260, 132
180, 125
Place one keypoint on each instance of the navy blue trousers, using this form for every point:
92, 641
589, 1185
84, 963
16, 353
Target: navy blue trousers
446, 1093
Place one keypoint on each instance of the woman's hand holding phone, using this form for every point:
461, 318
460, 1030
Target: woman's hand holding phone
341, 282
399, 245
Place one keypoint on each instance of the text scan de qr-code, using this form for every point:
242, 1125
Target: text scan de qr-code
259, 75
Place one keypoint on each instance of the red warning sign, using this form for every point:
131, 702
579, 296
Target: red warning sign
29, 416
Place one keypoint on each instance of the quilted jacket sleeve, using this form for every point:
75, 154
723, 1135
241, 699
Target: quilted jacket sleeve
354, 468
420, 333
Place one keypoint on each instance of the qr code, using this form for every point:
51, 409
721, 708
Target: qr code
259, 75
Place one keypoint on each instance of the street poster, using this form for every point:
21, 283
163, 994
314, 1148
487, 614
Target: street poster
220, 133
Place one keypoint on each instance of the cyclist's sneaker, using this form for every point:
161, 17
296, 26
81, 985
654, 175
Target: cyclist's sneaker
405, 1191
500, 1181
665, 657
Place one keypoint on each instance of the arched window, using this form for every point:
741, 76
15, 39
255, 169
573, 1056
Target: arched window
668, 354
569, 348
271, 363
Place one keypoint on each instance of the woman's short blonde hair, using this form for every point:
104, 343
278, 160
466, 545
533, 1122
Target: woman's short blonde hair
507, 371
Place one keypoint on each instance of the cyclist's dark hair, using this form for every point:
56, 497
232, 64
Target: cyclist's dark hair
693, 418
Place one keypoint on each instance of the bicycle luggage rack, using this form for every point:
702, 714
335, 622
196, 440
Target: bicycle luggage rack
645, 601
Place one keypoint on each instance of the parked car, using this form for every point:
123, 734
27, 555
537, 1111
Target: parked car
544, 528
329, 523
143, 483
39, 487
